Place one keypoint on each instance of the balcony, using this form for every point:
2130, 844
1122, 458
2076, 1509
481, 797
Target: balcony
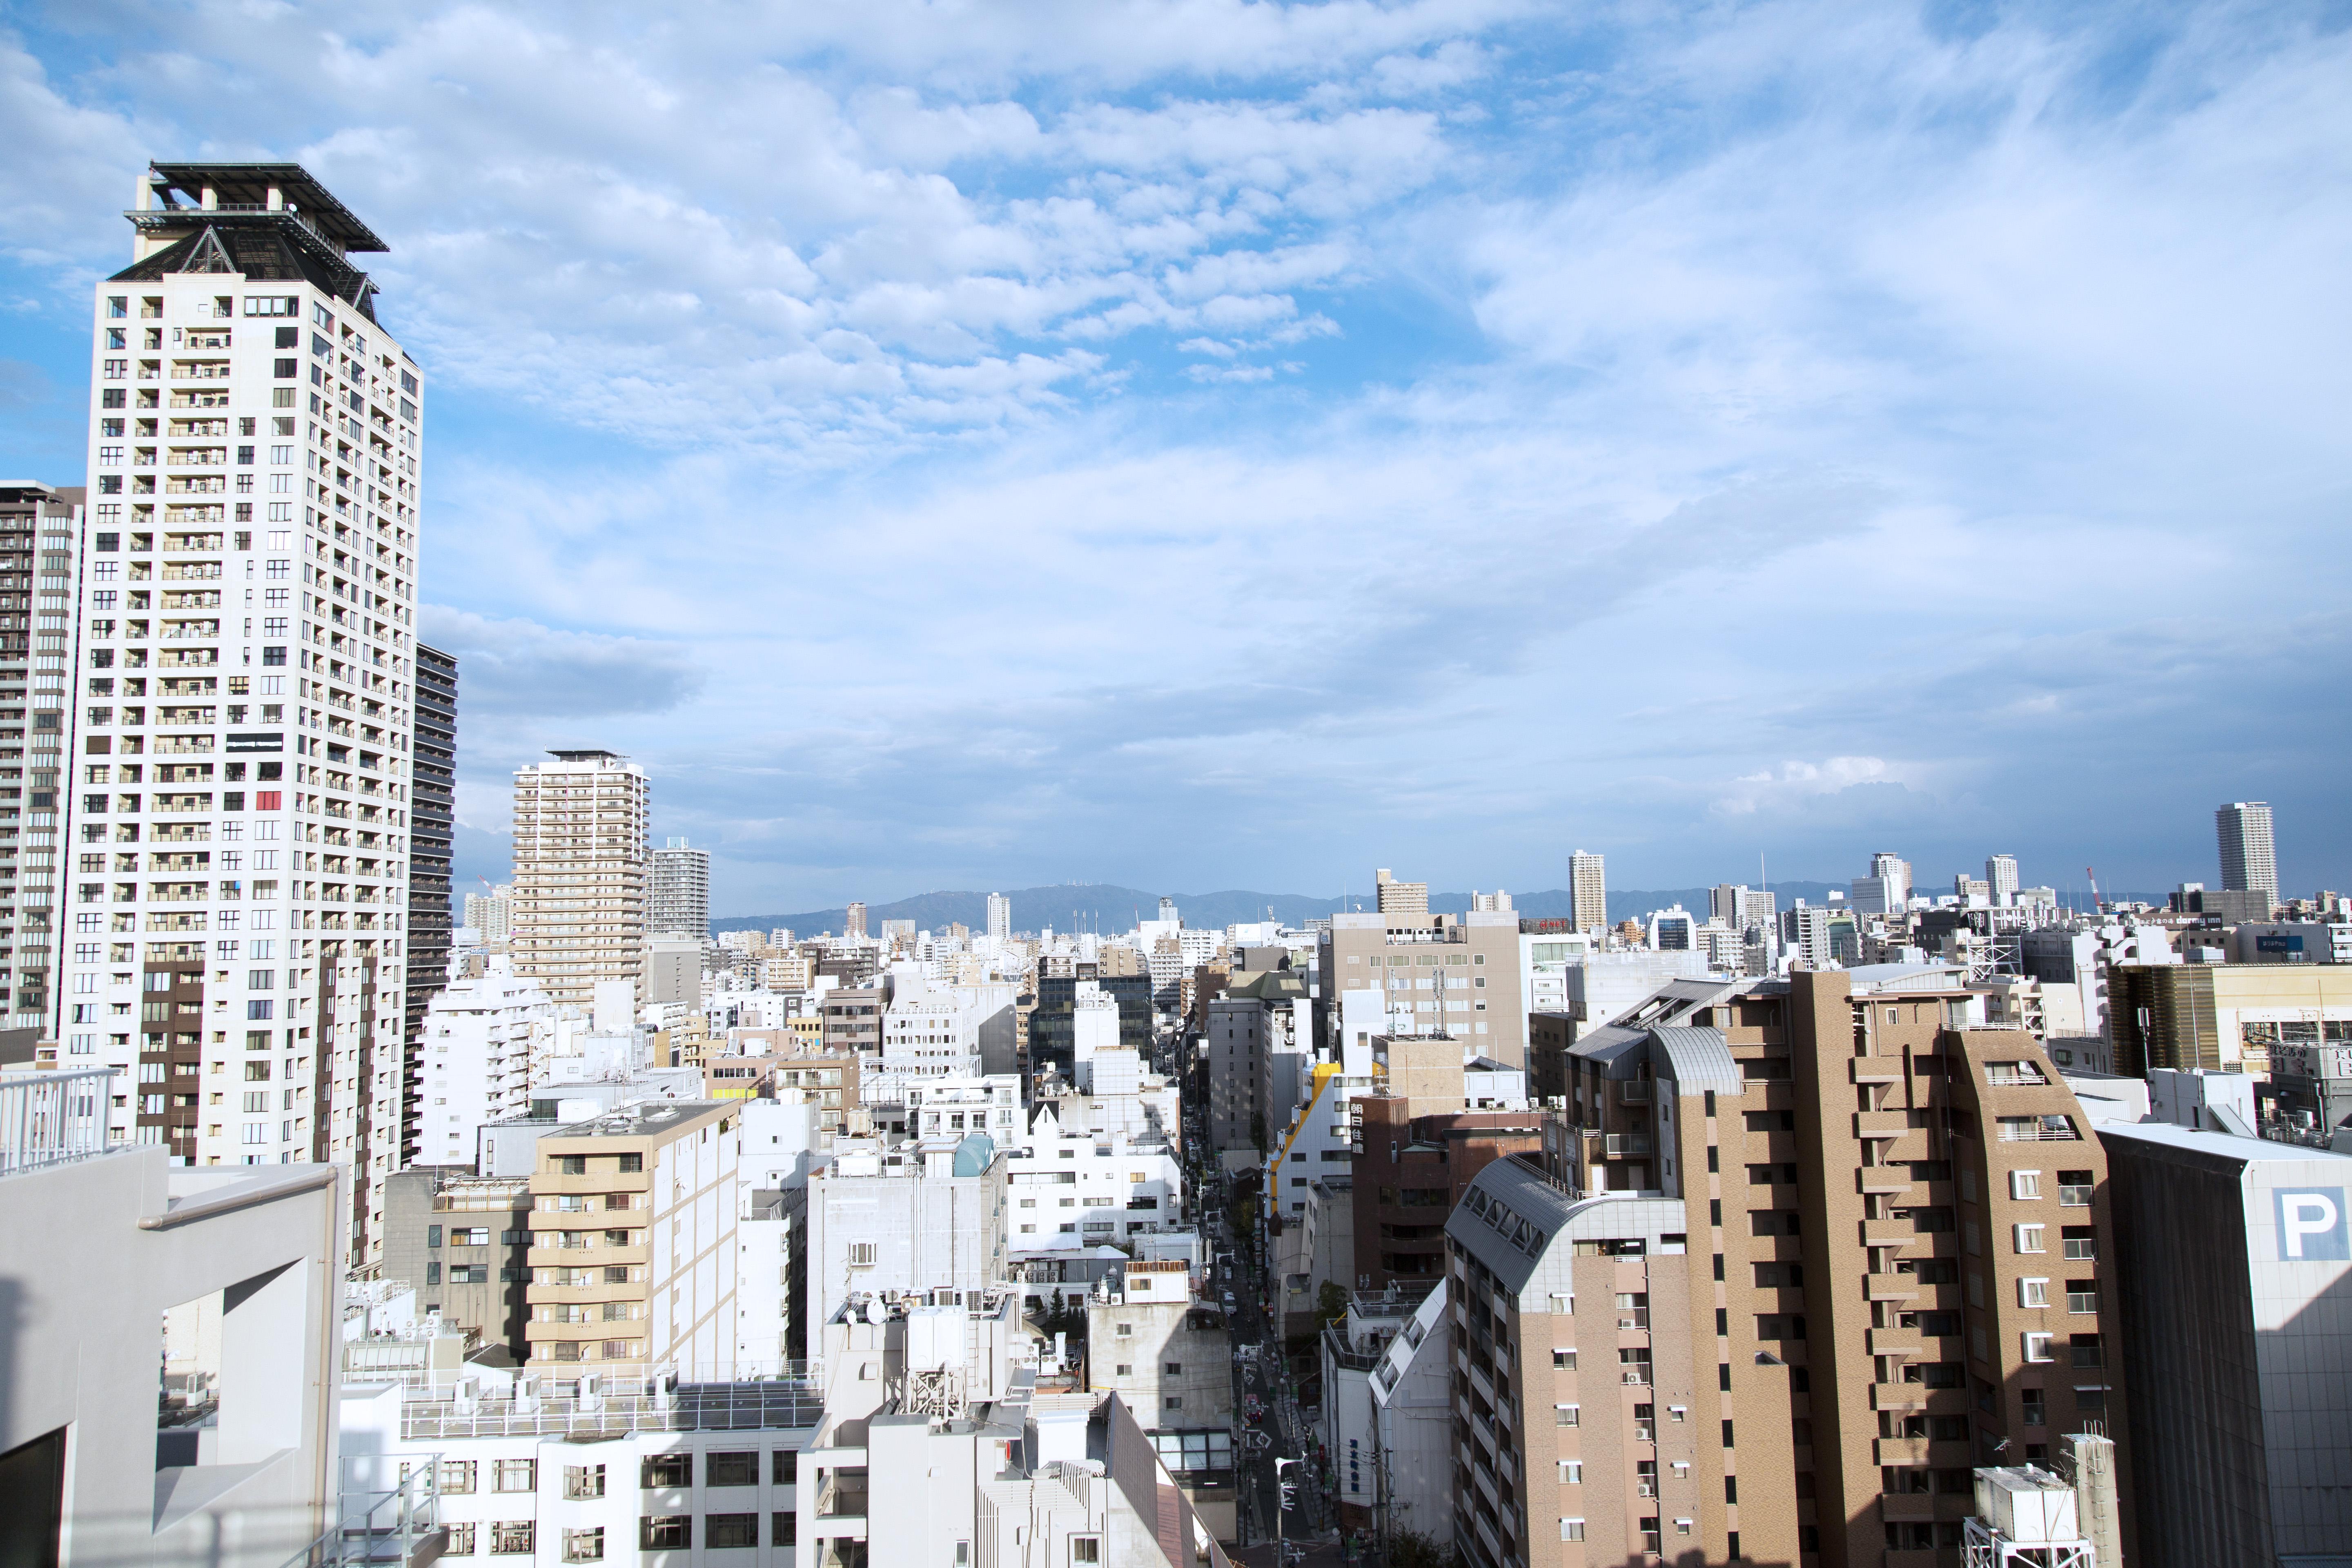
1901, 1451
1881, 1123
1890, 1288
1901, 1506
1876, 1069
50, 1118
1895, 1232
1898, 1398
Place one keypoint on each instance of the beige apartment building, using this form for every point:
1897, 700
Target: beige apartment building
580, 873
633, 1240
1457, 975
2224, 1017
1803, 1254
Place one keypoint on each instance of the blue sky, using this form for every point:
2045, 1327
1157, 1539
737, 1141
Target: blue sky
1195, 444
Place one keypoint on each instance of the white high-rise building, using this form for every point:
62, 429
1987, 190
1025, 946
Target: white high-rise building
485, 1036
2001, 876
243, 725
2249, 854
580, 873
1588, 894
1000, 918
680, 899
492, 914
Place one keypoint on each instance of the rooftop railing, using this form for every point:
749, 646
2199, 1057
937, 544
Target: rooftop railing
50, 1118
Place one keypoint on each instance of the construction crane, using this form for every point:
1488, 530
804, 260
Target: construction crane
2098, 905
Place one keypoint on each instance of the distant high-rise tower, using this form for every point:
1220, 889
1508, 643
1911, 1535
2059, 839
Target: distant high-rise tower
492, 914
853, 923
1402, 898
1587, 891
1000, 918
1897, 870
2249, 855
435, 762
1495, 903
2001, 871
43, 523
580, 873
680, 899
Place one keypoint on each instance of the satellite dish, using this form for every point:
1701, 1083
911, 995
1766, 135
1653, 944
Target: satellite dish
874, 1312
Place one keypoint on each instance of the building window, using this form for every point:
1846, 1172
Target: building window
2029, 1238
665, 1532
2025, 1184
583, 1481
731, 1469
513, 1537
730, 1529
461, 1541
2081, 1295
2033, 1292
1563, 1360
1564, 1414
2037, 1346
1571, 1529
585, 1545
783, 1528
1086, 1548
457, 1477
515, 1476
784, 1467
666, 1471
862, 1254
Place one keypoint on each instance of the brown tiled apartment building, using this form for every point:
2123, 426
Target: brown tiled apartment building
1800, 1255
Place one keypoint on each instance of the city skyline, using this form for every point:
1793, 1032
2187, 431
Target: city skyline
1152, 371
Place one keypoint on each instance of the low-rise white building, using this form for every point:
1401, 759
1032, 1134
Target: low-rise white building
927, 1217
1074, 1187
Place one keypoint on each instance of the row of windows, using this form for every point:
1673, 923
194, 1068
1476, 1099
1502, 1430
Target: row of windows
740, 1468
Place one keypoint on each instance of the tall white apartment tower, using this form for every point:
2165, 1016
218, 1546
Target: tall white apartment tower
579, 874
680, 898
2249, 855
2000, 876
1587, 893
244, 712
1000, 918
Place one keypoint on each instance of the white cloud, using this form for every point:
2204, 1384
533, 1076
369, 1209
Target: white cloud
958, 435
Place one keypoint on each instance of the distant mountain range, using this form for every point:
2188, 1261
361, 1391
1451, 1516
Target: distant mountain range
1111, 909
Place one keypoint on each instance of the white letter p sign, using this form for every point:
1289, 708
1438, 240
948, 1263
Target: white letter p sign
2311, 1226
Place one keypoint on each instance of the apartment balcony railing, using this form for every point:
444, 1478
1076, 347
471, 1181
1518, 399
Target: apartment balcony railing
49, 1118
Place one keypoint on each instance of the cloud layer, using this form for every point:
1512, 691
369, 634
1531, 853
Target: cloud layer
1194, 442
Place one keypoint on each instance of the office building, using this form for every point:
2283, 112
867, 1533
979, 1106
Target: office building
1587, 891
2232, 1274
2222, 1018
633, 1240
172, 1344
1429, 974
679, 900
580, 873
1401, 898
463, 1243
44, 524
432, 823
1412, 1161
1806, 1252
248, 686
1000, 918
2001, 880
1673, 929
2249, 853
